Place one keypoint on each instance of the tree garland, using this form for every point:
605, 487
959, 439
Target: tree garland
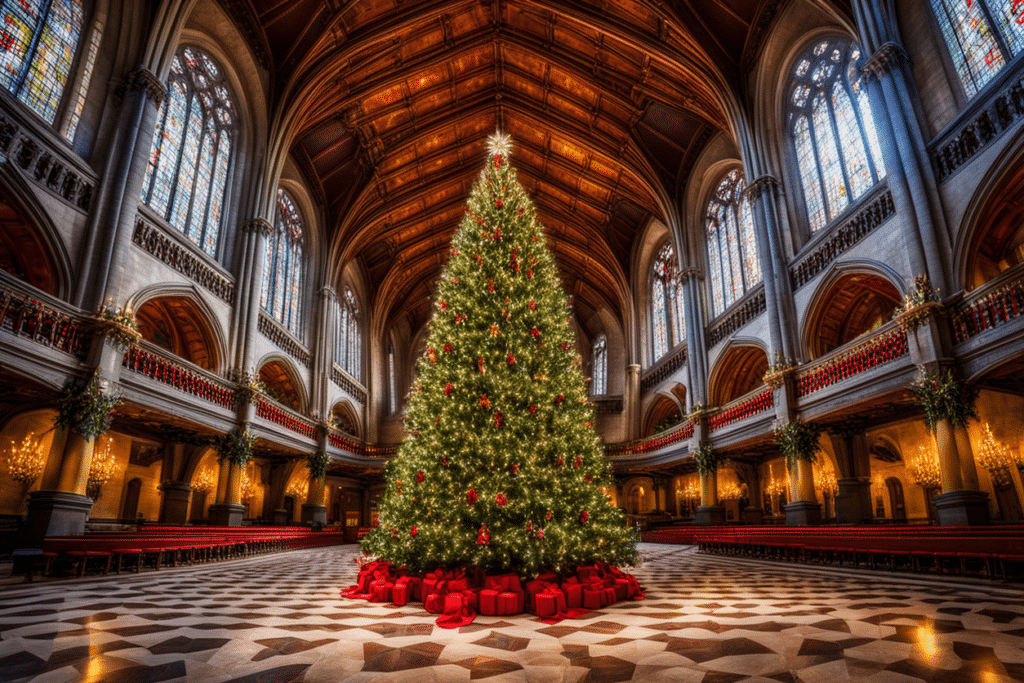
708, 460
236, 446
317, 463
83, 408
798, 441
943, 396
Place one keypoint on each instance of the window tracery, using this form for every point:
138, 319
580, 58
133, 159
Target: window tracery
978, 50
666, 306
283, 266
732, 247
37, 47
186, 180
833, 130
599, 373
347, 338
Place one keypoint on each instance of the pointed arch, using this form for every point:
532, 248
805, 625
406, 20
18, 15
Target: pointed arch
178, 319
737, 370
283, 380
346, 416
31, 247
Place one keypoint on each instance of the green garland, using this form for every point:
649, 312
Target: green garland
317, 463
943, 396
798, 440
83, 408
236, 446
708, 460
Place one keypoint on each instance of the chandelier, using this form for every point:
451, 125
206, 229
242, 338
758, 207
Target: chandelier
25, 462
730, 492
247, 487
204, 482
925, 469
101, 469
995, 457
827, 480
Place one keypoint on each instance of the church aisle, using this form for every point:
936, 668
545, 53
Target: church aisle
705, 619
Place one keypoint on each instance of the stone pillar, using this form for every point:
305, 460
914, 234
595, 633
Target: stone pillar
63, 510
709, 511
314, 510
222, 481
955, 506
247, 311
632, 401
775, 273
805, 509
696, 353
968, 467
174, 503
230, 512
853, 501
116, 201
753, 513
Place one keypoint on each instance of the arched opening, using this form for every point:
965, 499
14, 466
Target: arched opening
998, 243
131, 499
854, 305
740, 371
177, 326
897, 503
663, 414
23, 253
280, 385
345, 418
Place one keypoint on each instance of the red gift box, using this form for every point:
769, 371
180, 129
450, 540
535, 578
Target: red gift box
586, 572
380, 591
594, 598
489, 602
453, 603
609, 596
413, 587
401, 594
550, 602
573, 593
434, 603
621, 589
510, 603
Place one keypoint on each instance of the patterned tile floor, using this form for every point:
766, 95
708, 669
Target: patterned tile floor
706, 619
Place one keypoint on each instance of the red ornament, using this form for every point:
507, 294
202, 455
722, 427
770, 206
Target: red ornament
529, 274
511, 359
519, 213
483, 536
584, 516
480, 366
471, 496
444, 461
540, 534
497, 160
484, 403
447, 348
533, 305
558, 401
560, 461
498, 419
376, 523
448, 389
576, 462
444, 304
490, 284
500, 499
413, 531
549, 515
515, 468
533, 408
535, 332
420, 477
499, 203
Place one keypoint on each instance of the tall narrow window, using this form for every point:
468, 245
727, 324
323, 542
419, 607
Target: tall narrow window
190, 161
599, 354
833, 130
37, 46
732, 249
392, 380
348, 341
981, 35
666, 307
283, 265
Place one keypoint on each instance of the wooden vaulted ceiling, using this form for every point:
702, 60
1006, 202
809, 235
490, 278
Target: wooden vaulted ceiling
390, 103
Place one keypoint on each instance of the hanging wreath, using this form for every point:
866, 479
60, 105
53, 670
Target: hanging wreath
943, 396
317, 463
798, 441
236, 446
708, 460
83, 408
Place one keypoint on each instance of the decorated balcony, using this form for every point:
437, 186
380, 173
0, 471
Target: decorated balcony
989, 306
885, 345
760, 400
147, 360
650, 444
24, 316
270, 410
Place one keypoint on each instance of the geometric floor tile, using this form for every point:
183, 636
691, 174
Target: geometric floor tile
706, 619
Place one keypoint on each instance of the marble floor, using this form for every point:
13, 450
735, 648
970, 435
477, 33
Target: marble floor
707, 619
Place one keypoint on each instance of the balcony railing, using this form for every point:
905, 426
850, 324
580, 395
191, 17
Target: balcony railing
156, 366
662, 369
26, 317
995, 304
345, 442
289, 419
757, 401
885, 345
652, 443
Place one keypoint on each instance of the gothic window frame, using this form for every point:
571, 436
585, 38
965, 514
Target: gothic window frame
729, 216
284, 266
165, 183
599, 366
667, 326
830, 155
348, 340
1007, 37
392, 371
51, 100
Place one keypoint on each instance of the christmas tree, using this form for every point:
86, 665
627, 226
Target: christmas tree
501, 468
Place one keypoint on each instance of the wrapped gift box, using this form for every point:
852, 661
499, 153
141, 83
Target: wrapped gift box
550, 603
594, 598
489, 602
411, 588
510, 603
380, 591
573, 594
621, 589
401, 594
434, 603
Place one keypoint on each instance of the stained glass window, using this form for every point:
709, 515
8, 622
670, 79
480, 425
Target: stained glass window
283, 265
732, 249
978, 52
599, 381
392, 380
37, 45
666, 303
190, 159
833, 130
347, 339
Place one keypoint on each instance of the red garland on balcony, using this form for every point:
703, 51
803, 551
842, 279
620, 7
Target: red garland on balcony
752, 406
877, 352
180, 378
285, 419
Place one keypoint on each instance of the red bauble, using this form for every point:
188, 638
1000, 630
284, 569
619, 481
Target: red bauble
535, 332
549, 515
529, 274
499, 203
420, 477
498, 419
444, 304
448, 389
558, 401
557, 464
471, 496
533, 305
447, 348
576, 462
515, 468
497, 160
511, 359
500, 499
483, 536
540, 534
533, 408
413, 531
584, 516
484, 403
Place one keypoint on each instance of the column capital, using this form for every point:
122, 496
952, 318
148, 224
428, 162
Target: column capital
144, 80
765, 182
691, 272
885, 58
329, 293
258, 225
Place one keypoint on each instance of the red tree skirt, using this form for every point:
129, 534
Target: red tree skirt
450, 594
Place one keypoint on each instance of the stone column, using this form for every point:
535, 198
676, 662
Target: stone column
230, 512
709, 511
774, 271
222, 481
323, 351
176, 492
955, 506
247, 310
112, 221
853, 501
314, 510
968, 467
696, 352
805, 509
